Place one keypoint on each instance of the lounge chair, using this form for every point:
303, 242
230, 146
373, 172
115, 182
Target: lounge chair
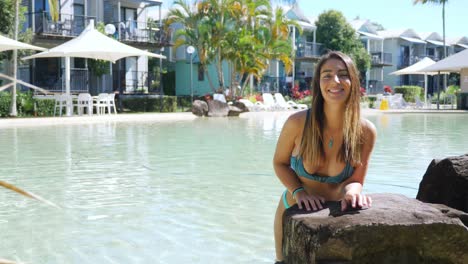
270, 103
251, 106
289, 104
418, 103
397, 101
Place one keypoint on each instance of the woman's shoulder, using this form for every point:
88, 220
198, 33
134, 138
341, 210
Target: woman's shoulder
296, 121
298, 118
368, 128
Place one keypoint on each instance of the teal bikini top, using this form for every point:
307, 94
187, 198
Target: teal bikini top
298, 167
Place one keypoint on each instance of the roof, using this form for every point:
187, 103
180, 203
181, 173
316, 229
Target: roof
430, 36
370, 35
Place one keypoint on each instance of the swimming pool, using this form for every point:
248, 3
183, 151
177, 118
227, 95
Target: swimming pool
200, 191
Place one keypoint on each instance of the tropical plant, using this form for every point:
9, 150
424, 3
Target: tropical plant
240, 32
195, 31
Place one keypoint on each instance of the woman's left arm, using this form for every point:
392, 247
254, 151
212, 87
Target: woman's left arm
353, 185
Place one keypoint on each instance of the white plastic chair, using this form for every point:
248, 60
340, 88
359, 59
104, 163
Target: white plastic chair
62, 101
101, 103
251, 106
85, 101
111, 103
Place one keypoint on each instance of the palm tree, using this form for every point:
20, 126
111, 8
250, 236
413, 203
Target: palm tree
440, 2
195, 31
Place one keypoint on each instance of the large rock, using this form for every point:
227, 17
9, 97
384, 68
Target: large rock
241, 106
397, 229
446, 182
234, 111
217, 108
199, 108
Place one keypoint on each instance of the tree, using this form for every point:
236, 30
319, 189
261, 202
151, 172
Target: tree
194, 31
439, 2
336, 34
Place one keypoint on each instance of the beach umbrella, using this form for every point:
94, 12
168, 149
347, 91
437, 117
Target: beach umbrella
11, 44
417, 68
91, 44
453, 63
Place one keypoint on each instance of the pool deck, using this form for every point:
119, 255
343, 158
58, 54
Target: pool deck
168, 117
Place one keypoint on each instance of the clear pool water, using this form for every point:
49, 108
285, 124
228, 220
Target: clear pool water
200, 191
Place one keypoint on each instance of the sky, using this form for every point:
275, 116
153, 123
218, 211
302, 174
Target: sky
395, 14
398, 14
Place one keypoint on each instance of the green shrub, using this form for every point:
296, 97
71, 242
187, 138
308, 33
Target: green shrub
45, 107
306, 100
150, 104
453, 89
5, 101
410, 92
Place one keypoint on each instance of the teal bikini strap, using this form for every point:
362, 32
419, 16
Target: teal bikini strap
285, 201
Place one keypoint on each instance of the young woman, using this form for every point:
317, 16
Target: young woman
322, 153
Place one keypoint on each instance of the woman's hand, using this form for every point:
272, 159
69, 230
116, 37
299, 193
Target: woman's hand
355, 199
310, 201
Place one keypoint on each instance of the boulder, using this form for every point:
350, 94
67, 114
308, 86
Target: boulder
199, 108
241, 106
234, 111
217, 108
396, 229
446, 182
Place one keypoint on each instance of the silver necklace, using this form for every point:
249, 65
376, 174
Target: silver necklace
330, 142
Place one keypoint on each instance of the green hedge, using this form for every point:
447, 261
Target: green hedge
26, 105
410, 92
150, 104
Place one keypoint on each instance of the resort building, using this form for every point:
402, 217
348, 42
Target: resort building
457, 44
406, 48
374, 44
307, 50
124, 20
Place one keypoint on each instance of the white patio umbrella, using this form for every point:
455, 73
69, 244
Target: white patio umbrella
417, 69
91, 44
11, 44
453, 63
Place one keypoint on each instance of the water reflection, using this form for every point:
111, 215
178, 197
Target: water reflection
200, 191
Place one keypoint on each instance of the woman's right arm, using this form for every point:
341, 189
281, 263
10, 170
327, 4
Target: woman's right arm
284, 149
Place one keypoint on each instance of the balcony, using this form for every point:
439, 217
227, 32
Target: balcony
142, 33
434, 57
406, 60
66, 26
309, 50
380, 59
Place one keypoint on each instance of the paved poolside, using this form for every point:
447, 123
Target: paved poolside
167, 117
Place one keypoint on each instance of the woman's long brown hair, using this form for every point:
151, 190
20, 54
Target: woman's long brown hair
312, 146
